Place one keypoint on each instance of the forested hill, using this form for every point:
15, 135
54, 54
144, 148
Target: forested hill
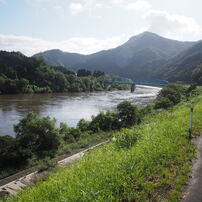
139, 57
185, 67
21, 74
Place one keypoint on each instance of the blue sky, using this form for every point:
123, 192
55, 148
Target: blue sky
87, 26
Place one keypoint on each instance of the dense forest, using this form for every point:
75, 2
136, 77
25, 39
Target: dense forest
186, 67
21, 74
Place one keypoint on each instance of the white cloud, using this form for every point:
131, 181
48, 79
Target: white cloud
76, 8
138, 5
171, 25
30, 46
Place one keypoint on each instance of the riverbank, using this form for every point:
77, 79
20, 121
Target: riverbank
64, 106
150, 162
13, 184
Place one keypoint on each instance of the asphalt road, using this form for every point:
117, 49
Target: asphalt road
194, 189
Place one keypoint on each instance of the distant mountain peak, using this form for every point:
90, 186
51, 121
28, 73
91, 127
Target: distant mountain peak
140, 56
144, 35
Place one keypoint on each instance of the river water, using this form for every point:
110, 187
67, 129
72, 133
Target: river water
66, 107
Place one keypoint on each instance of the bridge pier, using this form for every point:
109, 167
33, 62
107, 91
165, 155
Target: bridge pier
132, 89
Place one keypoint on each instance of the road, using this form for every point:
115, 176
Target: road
194, 189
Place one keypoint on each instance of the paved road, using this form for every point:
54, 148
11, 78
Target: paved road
194, 190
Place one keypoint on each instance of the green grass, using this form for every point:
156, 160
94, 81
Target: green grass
155, 168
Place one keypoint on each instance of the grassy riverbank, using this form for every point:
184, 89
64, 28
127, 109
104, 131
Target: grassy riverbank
154, 168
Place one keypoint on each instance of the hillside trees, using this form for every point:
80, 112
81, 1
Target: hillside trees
20, 74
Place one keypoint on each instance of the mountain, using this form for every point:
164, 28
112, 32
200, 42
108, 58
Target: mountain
185, 66
140, 56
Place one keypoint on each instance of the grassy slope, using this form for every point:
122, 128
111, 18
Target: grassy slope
154, 169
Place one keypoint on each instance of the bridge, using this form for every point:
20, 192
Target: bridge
134, 82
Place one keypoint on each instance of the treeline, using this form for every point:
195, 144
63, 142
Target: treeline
172, 94
21, 74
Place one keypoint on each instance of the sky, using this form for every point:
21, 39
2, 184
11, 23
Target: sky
88, 26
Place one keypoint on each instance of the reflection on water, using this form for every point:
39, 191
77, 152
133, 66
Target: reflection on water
66, 107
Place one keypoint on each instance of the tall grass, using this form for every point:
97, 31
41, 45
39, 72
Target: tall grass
155, 168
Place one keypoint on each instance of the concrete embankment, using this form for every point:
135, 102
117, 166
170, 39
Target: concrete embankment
17, 182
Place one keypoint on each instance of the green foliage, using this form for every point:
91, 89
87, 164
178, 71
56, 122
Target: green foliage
163, 102
12, 154
126, 138
155, 168
185, 67
105, 122
117, 86
149, 109
128, 114
39, 135
83, 72
83, 125
45, 164
20, 74
170, 95
69, 134
197, 74
98, 73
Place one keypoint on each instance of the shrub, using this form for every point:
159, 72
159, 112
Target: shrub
69, 134
163, 102
128, 114
170, 93
126, 138
146, 110
104, 122
11, 153
38, 134
191, 90
83, 125
46, 164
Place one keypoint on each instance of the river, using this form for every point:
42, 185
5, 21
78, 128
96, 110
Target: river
66, 107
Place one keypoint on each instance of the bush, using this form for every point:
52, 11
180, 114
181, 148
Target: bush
38, 134
11, 153
104, 122
128, 114
69, 134
191, 90
146, 110
46, 164
126, 138
163, 102
83, 125
171, 94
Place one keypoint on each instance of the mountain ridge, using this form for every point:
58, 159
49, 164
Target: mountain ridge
140, 56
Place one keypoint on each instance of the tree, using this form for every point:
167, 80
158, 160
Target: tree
83, 72
163, 102
170, 93
11, 153
197, 74
98, 73
104, 122
38, 134
128, 114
